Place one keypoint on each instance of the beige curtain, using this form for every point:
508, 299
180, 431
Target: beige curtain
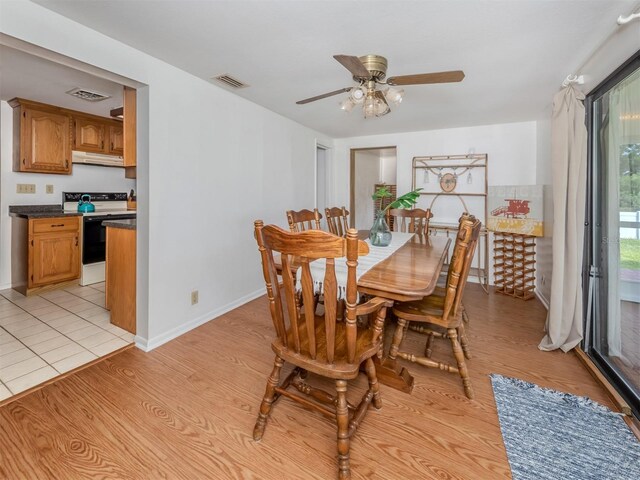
569, 159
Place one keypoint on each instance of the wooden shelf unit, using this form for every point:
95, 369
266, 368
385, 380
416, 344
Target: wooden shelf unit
514, 264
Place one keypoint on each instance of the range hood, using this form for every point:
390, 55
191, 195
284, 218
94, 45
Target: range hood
97, 159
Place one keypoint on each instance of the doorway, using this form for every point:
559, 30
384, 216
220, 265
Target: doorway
369, 169
613, 328
321, 178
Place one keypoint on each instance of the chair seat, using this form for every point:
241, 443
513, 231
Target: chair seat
427, 310
340, 368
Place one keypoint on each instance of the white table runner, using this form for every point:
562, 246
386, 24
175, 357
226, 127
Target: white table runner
365, 263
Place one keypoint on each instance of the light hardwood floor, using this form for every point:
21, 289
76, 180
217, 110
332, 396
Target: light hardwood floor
187, 409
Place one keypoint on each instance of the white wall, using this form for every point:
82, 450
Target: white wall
84, 178
388, 167
215, 163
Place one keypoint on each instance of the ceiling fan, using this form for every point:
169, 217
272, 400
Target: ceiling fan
369, 71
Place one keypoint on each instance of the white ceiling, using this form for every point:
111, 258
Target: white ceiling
515, 53
33, 78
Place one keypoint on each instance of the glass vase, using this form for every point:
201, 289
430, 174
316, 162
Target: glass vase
380, 234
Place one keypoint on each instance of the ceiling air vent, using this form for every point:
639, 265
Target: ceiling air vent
229, 81
88, 95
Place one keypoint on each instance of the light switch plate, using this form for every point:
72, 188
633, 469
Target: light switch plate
26, 188
194, 297
49, 188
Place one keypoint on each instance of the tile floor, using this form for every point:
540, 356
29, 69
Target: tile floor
46, 335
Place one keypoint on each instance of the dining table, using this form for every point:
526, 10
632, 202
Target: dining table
410, 273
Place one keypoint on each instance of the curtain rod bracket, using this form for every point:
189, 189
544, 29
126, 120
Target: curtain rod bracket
579, 79
624, 20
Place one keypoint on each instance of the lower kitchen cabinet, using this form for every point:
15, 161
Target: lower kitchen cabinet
120, 277
44, 252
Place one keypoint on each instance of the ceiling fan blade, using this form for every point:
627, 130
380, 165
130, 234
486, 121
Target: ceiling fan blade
354, 65
423, 78
324, 95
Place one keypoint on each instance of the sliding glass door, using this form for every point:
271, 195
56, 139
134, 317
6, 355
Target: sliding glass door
613, 321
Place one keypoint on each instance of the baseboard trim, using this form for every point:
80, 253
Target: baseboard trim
602, 380
149, 344
6, 286
543, 300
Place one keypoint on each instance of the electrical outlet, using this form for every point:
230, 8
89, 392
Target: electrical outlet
194, 297
49, 188
26, 188
543, 280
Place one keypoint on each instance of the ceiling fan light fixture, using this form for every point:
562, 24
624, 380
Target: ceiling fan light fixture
347, 105
357, 94
394, 95
382, 108
369, 107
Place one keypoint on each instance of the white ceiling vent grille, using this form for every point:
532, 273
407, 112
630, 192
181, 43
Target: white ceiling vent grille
88, 95
229, 81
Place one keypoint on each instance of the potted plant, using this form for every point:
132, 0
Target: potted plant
380, 234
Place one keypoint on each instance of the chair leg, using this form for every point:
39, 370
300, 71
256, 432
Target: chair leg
373, 383
398, 336
428, 347
462, 366
267, 401
465, 315
464, 342
342, 417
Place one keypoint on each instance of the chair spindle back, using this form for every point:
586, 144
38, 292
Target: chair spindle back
337, 220
459, 267
301, 334
303, 220
412, 221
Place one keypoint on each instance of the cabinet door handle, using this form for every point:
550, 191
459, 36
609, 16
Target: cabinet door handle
111, 145
102, 144
66, 164
76, 241
57, 225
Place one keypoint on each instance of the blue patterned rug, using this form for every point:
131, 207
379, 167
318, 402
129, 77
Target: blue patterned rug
554, 435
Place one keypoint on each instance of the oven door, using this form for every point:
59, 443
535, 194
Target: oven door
94, 237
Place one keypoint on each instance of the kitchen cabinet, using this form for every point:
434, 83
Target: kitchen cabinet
90, 135
98, 135
42, 138
120, 276
45, 252
130, 131
116, 140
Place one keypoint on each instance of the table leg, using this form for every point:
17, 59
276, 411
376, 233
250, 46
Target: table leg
388, 371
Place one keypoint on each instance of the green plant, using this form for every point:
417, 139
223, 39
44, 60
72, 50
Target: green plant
407, 200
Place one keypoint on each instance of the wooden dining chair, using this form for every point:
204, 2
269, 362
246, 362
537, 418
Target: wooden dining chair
337, 220
412, 221
302, 220
317, 343
437, 311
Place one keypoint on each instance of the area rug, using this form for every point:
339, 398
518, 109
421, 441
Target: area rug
554, 435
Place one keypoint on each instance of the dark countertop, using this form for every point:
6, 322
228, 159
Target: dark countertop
127, 224
39, 211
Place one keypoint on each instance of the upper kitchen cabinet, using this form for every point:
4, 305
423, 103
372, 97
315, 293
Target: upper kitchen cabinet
116, 140
89, 134
97, 135
42, 138
129, 123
